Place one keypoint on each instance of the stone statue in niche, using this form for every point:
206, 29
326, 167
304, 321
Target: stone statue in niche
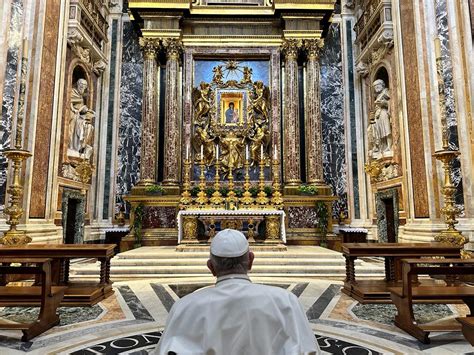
81, 129
380, 129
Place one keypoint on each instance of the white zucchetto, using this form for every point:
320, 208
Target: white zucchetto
229, 243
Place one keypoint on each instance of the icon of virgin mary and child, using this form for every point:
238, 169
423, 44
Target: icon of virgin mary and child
231, 114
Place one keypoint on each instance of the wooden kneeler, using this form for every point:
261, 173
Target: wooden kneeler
415, 292
48, 296
467, 328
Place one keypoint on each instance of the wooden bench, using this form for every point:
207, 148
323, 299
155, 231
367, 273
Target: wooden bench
377, 291
77, 293
48, 296
413, 291
467, 328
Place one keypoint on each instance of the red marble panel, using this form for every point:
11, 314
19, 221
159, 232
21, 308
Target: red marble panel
45, 111
415, 124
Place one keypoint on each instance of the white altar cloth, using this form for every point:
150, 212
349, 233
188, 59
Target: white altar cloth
242, 212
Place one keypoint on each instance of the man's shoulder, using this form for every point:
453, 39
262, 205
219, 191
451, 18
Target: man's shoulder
272, 291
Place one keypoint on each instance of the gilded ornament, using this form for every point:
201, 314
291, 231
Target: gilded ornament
291, 47
272, 228
149, 46
84, 171
190, 228
173, 47
313, 48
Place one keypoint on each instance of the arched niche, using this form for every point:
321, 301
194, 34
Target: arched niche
382, 73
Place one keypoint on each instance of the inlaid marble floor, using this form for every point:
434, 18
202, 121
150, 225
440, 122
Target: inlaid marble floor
130, 322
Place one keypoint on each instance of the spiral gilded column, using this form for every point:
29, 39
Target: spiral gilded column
313, 128
291, 125
172, 146
148, 161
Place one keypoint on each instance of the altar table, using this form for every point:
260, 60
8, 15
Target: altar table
242, 212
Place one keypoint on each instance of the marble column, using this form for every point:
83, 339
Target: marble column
313, 128
291, 125
172, 145
148, 163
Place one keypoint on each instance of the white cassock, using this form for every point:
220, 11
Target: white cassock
238, 317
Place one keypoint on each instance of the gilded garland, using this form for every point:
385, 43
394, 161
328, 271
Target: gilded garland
231, 115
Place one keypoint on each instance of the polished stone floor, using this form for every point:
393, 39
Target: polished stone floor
130, 322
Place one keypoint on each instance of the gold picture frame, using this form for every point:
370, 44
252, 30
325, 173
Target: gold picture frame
231, 107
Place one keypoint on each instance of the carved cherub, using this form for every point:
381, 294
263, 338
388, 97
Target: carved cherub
218, 75
247, 75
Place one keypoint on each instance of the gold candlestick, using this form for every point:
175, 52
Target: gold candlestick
216, 198
276, 199
446, 155
17, 156
231, 197
262, 198
186, 198
202, 199
247, 199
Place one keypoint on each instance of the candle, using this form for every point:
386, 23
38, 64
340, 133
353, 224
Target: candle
187, 152
217, 151
202, 152
261, 151
437, 47
25, 48
275, 152
247, 152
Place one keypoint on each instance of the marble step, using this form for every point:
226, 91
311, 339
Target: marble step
185, 255
202, 261
202, 269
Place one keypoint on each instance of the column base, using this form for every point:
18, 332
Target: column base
291, 188
145, 182
171, 188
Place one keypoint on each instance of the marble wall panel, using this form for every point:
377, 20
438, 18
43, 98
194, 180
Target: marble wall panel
415, 128
332, 100
110, 119
45, 110
9, 88
129, 135
159, 217
302, 217
447, 65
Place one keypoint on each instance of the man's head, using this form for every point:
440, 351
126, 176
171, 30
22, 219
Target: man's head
378, 85
231, 105
230, 254
81, 85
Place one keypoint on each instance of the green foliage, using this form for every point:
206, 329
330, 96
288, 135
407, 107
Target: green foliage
254, 191
209, 191
194, 191
154, 189
238, 192
322, 221
138, 213
268, 190
308, 189
224, 191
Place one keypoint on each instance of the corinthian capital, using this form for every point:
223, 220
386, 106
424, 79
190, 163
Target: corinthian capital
173, 47
149, 47
313, 48
291, 47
